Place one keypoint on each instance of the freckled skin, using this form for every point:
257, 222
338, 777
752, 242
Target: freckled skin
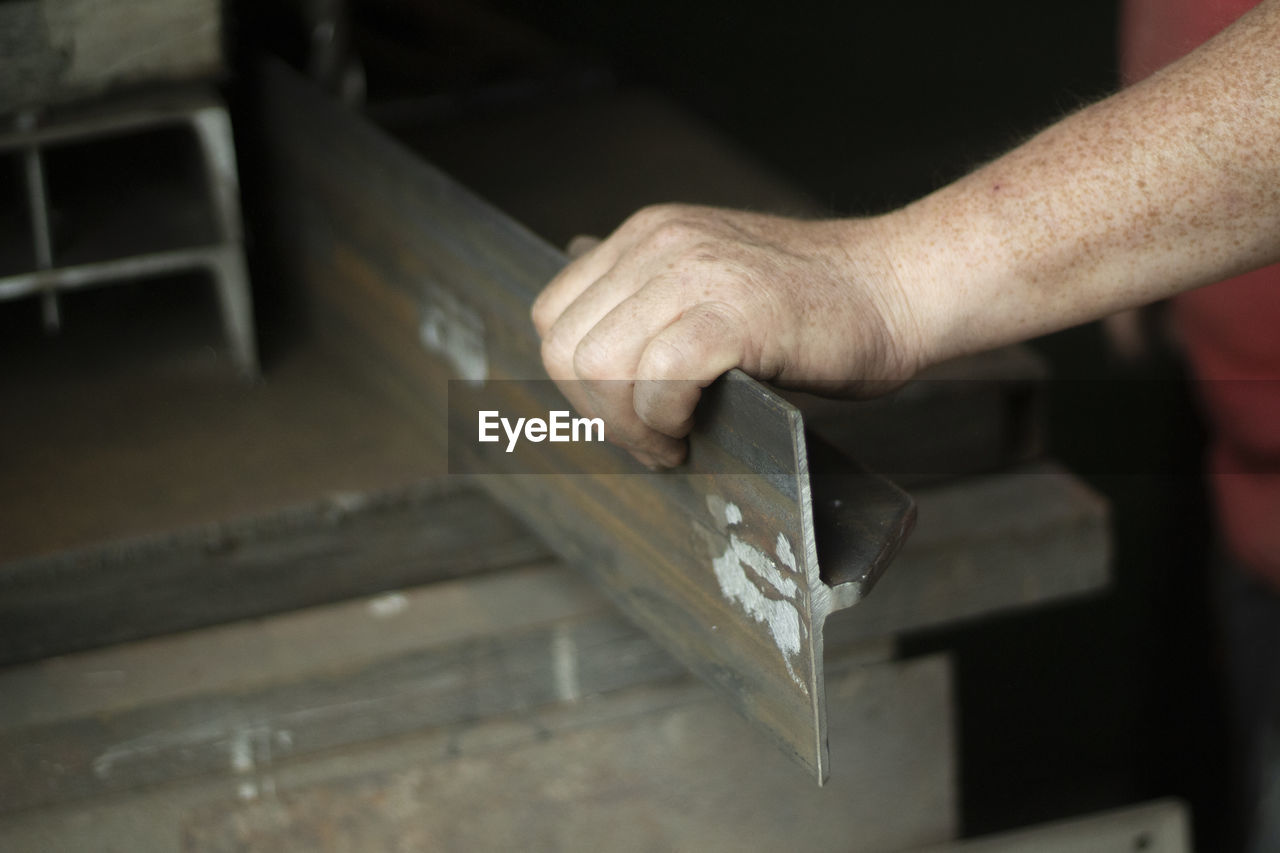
1164, 187
1169, 185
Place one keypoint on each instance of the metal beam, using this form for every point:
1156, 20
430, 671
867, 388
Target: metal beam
717, 560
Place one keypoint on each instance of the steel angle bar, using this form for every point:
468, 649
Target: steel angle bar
717, 560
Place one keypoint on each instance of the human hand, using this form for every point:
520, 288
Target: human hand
635, 327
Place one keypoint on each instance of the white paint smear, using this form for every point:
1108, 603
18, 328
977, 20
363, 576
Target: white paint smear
454, 330
783, 550
388, 605
736, 570
241, 749
564, 665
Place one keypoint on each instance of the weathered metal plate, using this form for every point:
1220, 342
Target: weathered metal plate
717, 560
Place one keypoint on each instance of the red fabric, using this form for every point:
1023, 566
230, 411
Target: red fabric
1154, 33
1231, 330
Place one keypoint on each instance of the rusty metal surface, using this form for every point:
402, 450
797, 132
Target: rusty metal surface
717, 560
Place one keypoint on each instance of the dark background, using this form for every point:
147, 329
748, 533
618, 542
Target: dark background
867, 106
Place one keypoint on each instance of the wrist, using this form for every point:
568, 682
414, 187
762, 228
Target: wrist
947, 274
880, 260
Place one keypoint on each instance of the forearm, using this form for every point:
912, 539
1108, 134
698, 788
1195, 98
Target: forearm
1166, 186
1171, 184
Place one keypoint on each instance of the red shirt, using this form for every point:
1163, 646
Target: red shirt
1230, 330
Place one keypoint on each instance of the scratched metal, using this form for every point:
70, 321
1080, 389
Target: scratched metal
717, 560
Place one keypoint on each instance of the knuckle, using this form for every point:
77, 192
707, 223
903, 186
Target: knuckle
705, 330
703, 249
665, 360
651, 216
593, 359
557, 351
712, 262
673, 233
714, 319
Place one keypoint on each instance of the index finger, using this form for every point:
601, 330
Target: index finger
569, 284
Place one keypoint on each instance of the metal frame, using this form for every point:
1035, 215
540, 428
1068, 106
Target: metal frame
224, 259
